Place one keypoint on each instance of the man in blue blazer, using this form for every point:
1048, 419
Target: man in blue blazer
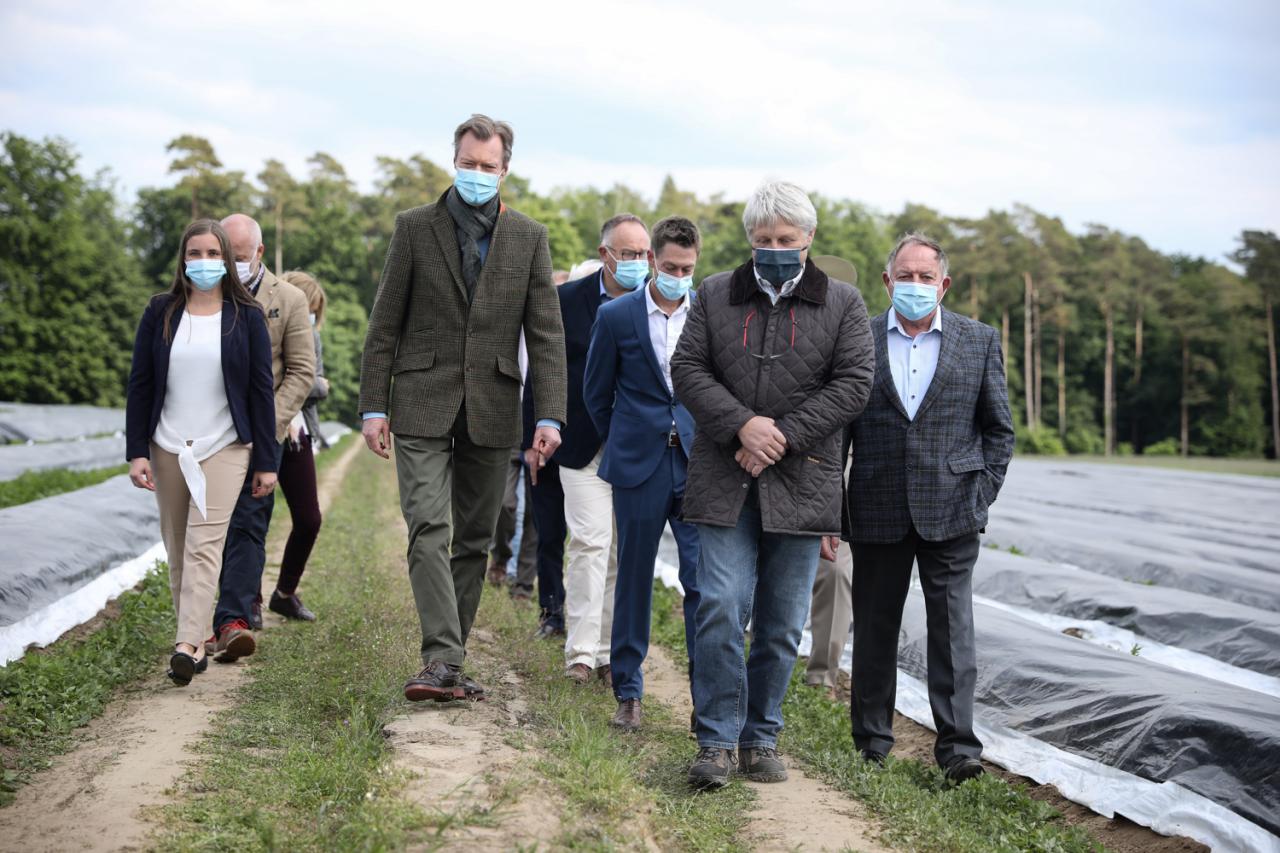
647, 434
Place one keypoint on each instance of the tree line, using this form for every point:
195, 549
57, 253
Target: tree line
1111, 347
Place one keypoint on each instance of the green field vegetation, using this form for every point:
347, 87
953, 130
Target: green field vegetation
34, 485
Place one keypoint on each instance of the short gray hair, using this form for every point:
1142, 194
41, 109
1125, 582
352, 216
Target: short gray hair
614, 222
779, 201
484, 128
915, 238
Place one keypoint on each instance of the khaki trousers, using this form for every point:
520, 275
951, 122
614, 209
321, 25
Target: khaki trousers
591, 568
830, 616
194, 544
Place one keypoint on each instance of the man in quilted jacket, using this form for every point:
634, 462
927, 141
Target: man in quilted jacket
774, 362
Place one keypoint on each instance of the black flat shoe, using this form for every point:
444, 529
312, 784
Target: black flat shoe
290, 607
182, 668
202, 664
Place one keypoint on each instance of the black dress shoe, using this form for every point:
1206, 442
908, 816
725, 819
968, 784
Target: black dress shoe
962, 768
872, 757
290, 607
255, 614
182, 668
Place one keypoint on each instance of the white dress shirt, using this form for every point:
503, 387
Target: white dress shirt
665, 331
913, 361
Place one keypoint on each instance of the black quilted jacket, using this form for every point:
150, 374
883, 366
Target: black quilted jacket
807, 362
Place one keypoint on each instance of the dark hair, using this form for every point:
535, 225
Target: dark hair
232, 288
678, 230
484, 128
615, 221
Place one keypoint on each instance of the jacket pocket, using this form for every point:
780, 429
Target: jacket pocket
407, 361
508, 367
965, 464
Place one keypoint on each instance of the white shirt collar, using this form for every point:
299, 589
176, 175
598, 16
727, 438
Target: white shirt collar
651, 305
894, 323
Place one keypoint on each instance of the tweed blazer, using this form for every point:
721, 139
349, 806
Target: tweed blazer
428, 349
942, 470
293, 349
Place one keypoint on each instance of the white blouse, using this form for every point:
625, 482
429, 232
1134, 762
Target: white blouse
195, 422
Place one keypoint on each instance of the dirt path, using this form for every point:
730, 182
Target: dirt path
798, 814
98, 796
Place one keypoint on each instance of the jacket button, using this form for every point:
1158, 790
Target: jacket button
744, 485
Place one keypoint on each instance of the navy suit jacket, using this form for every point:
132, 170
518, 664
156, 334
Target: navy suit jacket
579, 441
246, 375
627, 396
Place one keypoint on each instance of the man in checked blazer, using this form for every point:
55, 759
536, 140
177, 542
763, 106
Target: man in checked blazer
463, 277
929, 455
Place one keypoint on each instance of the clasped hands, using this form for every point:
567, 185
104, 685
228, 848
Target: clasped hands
763, 444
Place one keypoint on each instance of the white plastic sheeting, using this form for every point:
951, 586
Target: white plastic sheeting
33, 422
78, 455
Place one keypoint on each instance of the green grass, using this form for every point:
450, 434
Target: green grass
919, 809
1205, 464
34, 485
608, 778
301, 761
47, 694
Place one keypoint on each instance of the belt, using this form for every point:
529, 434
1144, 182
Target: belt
673, 439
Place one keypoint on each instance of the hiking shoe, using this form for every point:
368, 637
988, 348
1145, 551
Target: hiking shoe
761, 764
627, 717
712, 767
235, 641
290, 607
578, 673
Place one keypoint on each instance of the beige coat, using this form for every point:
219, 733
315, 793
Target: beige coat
293, 352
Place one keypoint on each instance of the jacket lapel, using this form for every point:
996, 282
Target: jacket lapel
884, 375
640, 316
951, 334
446, 236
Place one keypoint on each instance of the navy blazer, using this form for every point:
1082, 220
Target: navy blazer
627, 396
246, 374
579, 441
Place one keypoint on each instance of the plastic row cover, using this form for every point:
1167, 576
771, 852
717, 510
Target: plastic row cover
30, 422
80, 455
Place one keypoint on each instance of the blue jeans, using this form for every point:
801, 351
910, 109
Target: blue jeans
245, 554
746, 574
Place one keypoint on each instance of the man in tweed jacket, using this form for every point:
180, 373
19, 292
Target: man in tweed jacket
462, 278
929, 455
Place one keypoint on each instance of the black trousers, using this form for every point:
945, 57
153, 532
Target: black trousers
548, 519
881, 578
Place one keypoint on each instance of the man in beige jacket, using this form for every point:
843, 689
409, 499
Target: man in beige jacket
293, 367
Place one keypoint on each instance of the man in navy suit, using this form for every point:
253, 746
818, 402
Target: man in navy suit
647, 436
567, 494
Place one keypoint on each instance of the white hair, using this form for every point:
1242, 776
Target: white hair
779, 201
584, 268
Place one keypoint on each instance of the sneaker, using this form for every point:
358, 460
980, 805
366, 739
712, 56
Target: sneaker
712, 767
255, 613
235, 641
290, 607
761, 764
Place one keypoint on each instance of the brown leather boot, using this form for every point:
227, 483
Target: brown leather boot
605, 674
627, 717
578, 673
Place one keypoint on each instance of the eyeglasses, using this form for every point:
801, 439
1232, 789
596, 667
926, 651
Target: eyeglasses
746, 327
628, 254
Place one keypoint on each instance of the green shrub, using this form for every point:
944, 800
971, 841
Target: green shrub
1164, 447
1039, 442
1084, 439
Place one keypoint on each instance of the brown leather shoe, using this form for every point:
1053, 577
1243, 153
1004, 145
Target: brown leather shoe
437, 681
605, 674
579, 673
235, 641
627, 717
496, 575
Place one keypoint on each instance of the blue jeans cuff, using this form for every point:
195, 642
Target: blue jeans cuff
758, 744
717, 744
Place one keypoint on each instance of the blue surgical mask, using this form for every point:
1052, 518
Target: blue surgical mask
672, 287
632, 274
914, 301
778, 266
476, 188
206, 272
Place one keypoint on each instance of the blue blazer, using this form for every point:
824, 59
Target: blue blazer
246, 374
627, 396
579, 441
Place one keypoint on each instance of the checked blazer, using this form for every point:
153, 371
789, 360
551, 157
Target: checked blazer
942, 470
428, 349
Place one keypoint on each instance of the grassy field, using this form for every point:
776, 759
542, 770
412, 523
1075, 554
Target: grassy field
1205, 464
34, 485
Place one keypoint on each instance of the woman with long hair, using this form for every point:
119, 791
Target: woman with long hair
298, 469
200, 414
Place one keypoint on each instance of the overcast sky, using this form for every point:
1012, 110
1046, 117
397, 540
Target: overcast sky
1161, 119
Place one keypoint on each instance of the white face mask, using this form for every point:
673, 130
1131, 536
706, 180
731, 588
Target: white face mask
242, 270
312, 318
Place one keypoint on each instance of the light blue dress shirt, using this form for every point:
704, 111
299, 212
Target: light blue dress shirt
913, 361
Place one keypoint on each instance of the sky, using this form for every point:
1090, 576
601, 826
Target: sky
1160, 119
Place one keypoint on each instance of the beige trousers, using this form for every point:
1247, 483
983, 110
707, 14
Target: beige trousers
830, 617
194, 544
591, 568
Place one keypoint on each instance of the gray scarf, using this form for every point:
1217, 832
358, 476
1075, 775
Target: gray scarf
470, 225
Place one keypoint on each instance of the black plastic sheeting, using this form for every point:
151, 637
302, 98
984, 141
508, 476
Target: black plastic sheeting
53, 546
1243, 636
80, 455
30, 422
1205, 533
1161, 724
